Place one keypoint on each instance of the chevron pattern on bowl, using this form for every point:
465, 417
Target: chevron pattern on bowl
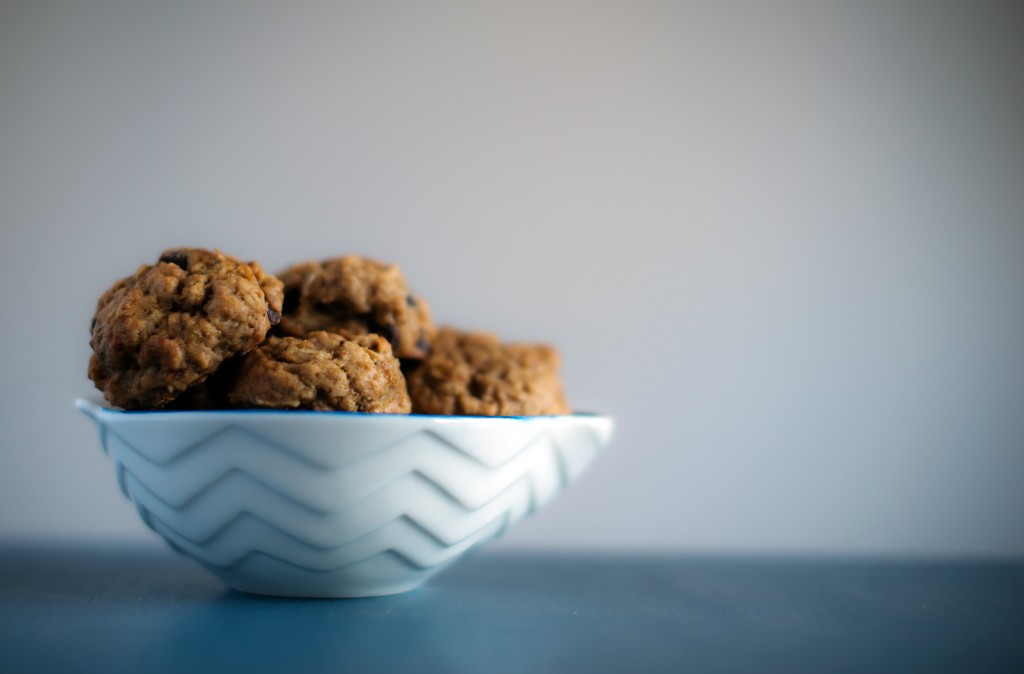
335, 504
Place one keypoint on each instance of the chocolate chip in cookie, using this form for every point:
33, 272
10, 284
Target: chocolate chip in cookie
179, 258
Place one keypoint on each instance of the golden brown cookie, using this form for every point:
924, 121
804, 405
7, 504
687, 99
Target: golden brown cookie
169, 326
322, 371
474, 373
357, 296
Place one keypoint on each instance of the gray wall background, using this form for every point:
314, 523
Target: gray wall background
780, 242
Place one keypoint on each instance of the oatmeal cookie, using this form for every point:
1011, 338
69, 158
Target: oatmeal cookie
322, 371
357, 296
170, 325
474, 373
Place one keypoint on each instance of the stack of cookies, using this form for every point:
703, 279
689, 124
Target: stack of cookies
203, 330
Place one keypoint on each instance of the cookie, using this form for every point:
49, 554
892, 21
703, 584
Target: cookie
357, 296
169, 326
474, 373
322, 371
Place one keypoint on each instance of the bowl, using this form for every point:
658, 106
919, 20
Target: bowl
337, 504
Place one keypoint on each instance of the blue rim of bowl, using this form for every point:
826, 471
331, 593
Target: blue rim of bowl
82, 402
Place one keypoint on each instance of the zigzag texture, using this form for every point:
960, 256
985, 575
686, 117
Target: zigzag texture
341, 505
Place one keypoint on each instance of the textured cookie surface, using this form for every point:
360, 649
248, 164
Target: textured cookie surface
357, 296
474, 373
169, 326
322, 371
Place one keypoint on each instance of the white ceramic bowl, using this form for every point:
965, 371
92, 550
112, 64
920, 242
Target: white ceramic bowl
337, 504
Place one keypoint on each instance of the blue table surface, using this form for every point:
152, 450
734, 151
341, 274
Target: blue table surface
141, 609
